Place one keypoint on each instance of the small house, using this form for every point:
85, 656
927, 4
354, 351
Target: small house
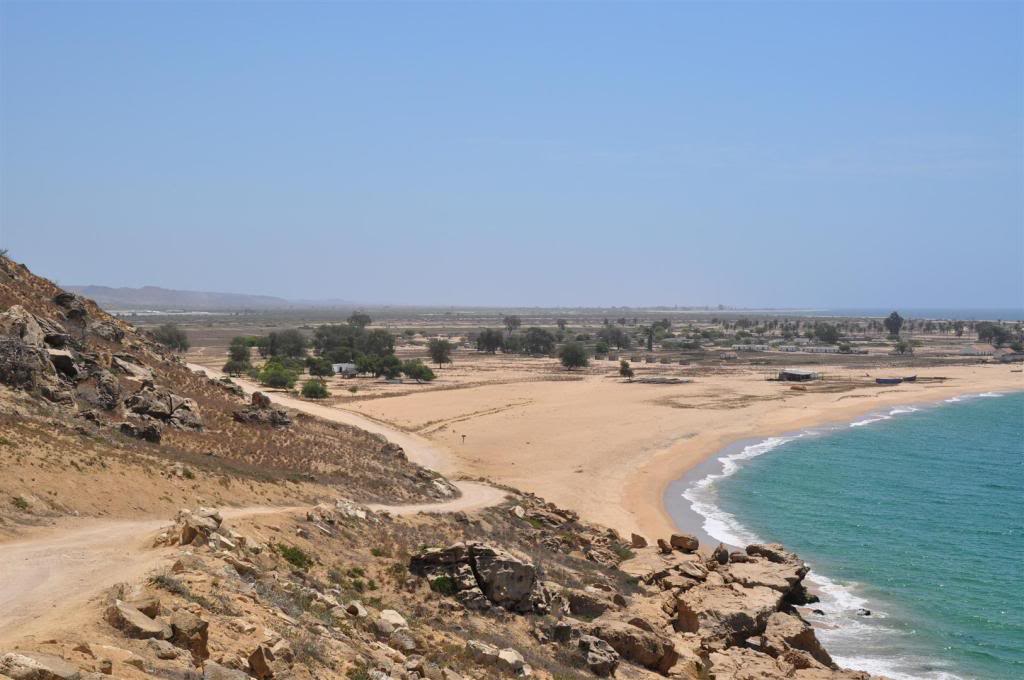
345, 370
793, 375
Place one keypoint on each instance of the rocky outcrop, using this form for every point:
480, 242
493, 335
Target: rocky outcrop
134, 624
789, 637
648, 649
36, 666
479, 575
261, 412
170, 409
726, 614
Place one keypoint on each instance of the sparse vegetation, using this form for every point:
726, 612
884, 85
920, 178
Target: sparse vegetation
573, 355
315, 389
171, 336
20, 503
295, 556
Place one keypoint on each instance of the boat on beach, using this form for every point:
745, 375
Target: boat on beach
888, 381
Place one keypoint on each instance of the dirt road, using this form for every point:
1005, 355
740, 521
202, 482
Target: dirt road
418, 449
48, 580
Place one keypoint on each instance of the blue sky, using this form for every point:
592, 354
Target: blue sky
817, 154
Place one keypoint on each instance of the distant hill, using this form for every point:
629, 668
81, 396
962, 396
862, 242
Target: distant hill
153, 297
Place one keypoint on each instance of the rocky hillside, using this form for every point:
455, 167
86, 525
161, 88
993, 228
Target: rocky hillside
80, 390
99, 421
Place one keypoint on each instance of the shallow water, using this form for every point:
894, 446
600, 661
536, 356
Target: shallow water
914, 513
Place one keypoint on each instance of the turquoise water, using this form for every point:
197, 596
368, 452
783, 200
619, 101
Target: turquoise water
916, 514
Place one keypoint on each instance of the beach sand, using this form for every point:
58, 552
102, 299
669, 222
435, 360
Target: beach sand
608, 449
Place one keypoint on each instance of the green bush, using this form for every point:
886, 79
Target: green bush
274, 374
573, 355
417, 370
169, 335
444, 585
297, 557
315, 389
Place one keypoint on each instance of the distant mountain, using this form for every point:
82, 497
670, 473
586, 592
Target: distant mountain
155, 298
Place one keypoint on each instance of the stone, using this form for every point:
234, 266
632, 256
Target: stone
727, 613
393, 618
650, 650
37, 666
149, 431
214, 671
510, 661
17, 322
481, 652
192, 633
355, 608
720, 554
173, 410
664, 546
259, 663
504, 579
64, 362
135, 624
685, 542
785, 631
638, 541
598, 655
163, 649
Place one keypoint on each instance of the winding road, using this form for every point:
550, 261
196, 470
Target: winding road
48, 579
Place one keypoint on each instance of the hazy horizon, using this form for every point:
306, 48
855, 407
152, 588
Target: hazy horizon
560, 155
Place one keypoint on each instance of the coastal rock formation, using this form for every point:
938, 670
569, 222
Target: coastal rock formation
471, 570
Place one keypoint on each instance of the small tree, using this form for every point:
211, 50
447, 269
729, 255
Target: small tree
904, 347
320, 367
171, 336
360, 319
538, 341
512, 322
233, 367
893, 323
826, 332
573, 355
238, 350
417, 370
625, 370
489, 340
315, 389
440, 351
275, 374
562, 324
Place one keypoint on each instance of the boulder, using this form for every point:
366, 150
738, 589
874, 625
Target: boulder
147, 430
786, 632
599, 656
664, 546
650, 650
720, 554
163, 649
214, 671
512, 662
685, 542
74, 306
260, 400
726, 613
127, 365
64, 362
780, 576
355, 608
19, 323
253, 415
737, 663
37, 666
481, 652
637, 541
192, 633
259, 663
504, 579
135, 624
393, 618
167, 407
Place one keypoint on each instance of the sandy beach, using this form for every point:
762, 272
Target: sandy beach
608, 449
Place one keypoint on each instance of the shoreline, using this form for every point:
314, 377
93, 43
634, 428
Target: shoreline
838, 600
669, 466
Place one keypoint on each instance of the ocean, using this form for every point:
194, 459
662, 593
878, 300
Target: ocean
914, 514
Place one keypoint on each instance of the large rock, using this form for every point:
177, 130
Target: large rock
786, 632
190, 632
599, 656
726, 614
135, 624
685, 542
74, 305
504, 579
36, 666
214, 671
178, 412
18, 323
475, 570
651, 650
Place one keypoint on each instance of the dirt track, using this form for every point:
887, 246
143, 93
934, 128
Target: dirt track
48, 579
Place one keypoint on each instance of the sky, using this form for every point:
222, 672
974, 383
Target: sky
854, 154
